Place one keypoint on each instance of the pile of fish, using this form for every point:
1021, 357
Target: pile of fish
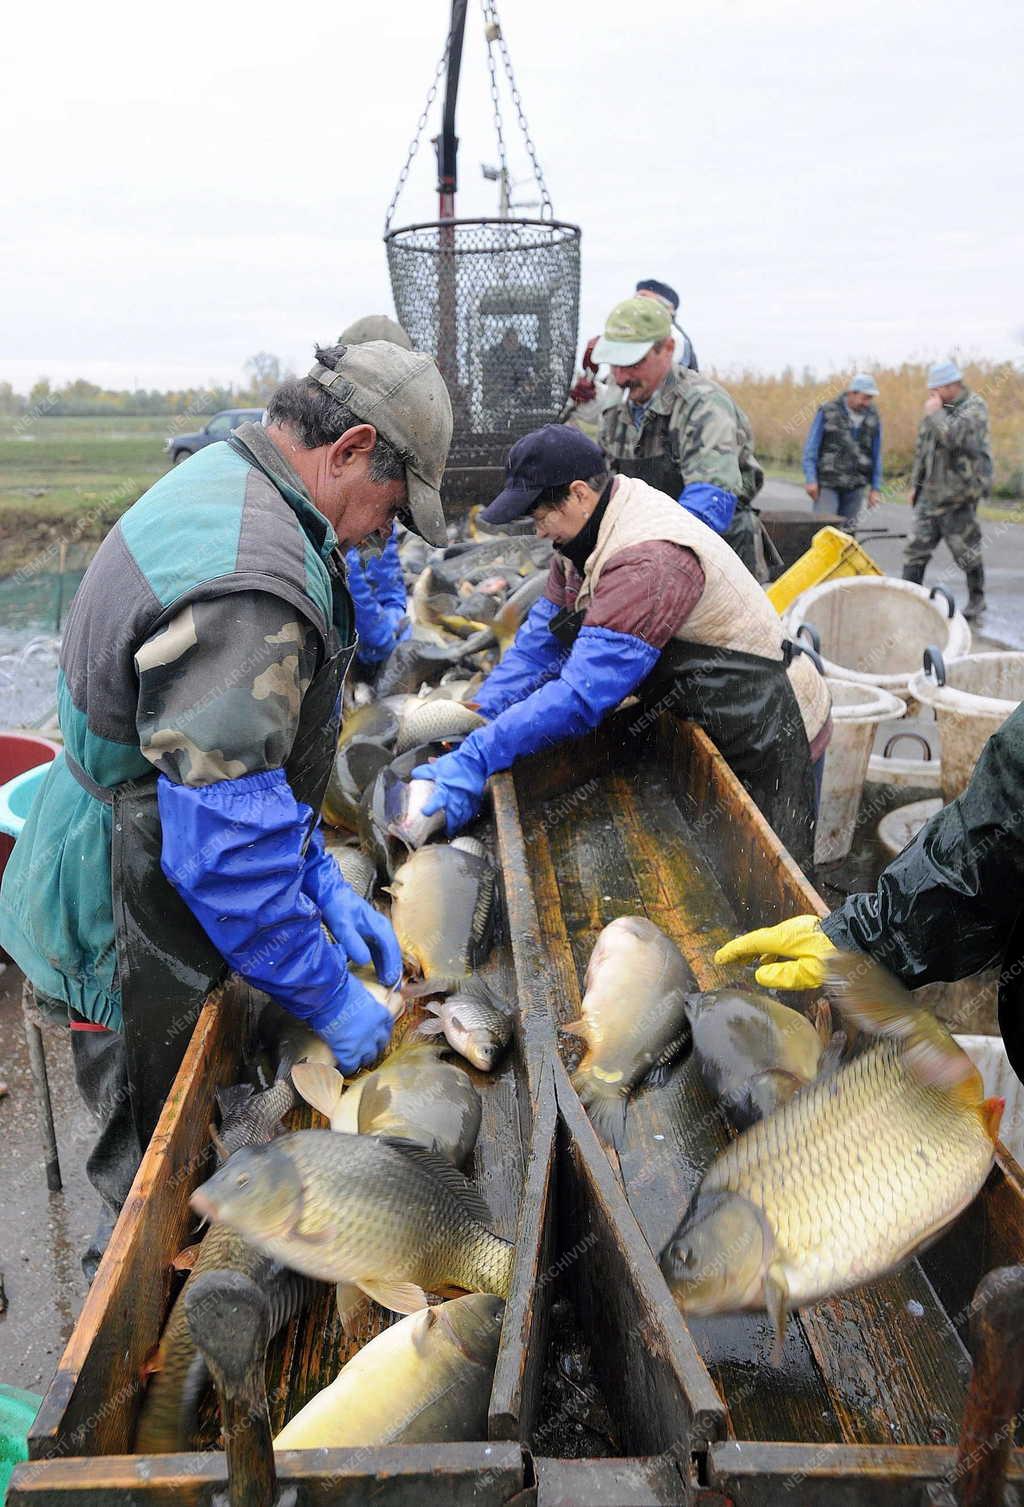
380, 1204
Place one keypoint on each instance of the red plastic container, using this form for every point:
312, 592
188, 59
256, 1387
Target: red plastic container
18, 752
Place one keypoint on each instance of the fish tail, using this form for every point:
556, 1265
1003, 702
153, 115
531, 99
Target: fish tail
605, 1105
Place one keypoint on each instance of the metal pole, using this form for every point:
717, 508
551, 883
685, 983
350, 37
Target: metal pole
447, 183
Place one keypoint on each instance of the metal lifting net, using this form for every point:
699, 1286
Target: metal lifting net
496, 302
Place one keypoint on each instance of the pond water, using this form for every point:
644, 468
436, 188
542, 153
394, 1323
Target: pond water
33, 608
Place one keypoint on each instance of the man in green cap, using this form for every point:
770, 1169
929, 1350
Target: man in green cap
176, 835
678, 430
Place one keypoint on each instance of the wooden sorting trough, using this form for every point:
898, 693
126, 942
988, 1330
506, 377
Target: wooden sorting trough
602, 1393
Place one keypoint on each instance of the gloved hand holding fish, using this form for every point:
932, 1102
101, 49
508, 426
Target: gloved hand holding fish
851, 1176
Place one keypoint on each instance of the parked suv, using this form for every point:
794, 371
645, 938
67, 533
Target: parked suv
181, 446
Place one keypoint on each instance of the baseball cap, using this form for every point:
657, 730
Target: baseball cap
403, 395
660, 290
943, 372
863, 382
374, 327
548, 457
630, 330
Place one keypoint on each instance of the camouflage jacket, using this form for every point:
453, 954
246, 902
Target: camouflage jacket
953, 458
846, 455
694, 421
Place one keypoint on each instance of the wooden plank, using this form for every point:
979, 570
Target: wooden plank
988, 1234
533, 1020
412, 1475
517, 1374
763, 1475
635, 1334
646, 1481
91, 1404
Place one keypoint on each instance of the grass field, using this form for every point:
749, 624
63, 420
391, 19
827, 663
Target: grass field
67, 480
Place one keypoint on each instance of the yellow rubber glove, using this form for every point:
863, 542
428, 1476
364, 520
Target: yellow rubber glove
800, 940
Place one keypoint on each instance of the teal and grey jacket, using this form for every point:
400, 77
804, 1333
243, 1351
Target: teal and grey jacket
190, 646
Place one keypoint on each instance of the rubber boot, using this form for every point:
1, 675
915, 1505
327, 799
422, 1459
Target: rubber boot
976, 593
914, 573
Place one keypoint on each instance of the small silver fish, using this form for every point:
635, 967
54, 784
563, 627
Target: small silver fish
476, 1024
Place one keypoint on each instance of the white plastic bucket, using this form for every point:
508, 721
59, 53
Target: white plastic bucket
972, 696
874, 630
856, 712
892, 766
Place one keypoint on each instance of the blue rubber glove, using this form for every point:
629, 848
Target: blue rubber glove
602, 667
386, 578
360, 930
534, 657
712, 505
233, 852
358, 1034
374, 627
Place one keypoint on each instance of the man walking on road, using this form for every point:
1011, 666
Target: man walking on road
952, 474
843, 453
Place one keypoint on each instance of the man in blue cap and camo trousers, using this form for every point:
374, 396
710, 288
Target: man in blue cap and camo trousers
952, 474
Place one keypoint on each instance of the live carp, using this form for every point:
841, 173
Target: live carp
442, 910
849, 1179
426, 1380
475, 1023
392, 1219
634, 1017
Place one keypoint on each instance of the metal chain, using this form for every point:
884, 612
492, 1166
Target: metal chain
494, 25
491, 31
420, 126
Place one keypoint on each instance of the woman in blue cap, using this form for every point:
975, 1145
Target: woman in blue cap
642, 597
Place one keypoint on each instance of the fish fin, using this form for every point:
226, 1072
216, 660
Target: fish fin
420, 1327
991, 1116
776, 1302
661, 1067
187, 1257
419, 988
320, 1085
821, 1020
350, 1301
152, 1365
233, 1098
483, 910
831, 1059
576, 1027
606, 1107
387, 889
477, 988
439, 1167
400, 1297
427, 1028
870, 997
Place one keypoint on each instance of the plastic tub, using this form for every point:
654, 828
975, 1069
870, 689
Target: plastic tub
832, 555
856, 712
873, 630
891, 768
972, 696
19, 752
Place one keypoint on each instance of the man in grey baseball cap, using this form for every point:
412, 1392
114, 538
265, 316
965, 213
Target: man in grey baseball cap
388, 394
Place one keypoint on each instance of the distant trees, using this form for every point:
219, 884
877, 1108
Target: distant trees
264, 371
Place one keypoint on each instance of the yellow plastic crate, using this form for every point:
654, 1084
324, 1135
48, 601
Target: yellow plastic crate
832, 554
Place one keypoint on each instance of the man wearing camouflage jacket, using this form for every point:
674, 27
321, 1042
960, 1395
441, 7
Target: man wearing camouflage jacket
177, 833
952, 474
677, 430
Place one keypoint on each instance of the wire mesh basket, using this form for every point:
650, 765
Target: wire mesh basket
496, 302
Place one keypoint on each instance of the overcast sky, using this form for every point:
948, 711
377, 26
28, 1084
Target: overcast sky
824, 183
